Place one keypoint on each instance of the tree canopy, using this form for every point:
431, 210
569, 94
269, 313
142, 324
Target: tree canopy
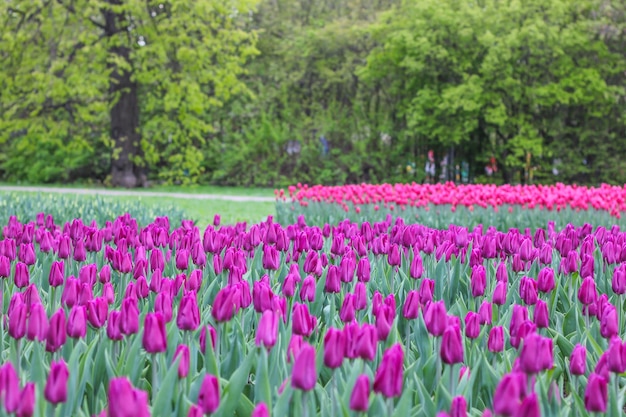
320, 91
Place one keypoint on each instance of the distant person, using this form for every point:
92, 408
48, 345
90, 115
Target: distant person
491, 167
444, 169
325, 145
430, 168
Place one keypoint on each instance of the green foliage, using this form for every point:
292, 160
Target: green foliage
60, 61
226, 87
65, 208
504, 79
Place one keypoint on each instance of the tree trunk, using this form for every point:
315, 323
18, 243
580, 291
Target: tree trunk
124, 112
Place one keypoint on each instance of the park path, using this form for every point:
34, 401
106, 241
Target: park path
123, 193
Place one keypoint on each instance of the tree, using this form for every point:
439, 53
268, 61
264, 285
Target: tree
133, 79
509, 79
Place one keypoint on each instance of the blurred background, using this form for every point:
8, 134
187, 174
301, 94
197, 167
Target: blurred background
269, 93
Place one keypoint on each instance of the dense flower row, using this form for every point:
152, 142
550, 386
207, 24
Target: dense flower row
385, 318
553, 197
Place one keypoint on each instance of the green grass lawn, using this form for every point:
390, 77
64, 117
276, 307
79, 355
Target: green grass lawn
190, 189
203, 211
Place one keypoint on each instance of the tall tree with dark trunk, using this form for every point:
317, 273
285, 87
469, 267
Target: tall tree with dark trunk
123, 92
112, 87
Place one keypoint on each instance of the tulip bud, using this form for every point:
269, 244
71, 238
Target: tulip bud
478, 281
618, 283
587, 292
411, 306
519, 316
77, 322
363, 270
195, 411
365, 342
212, 334
596, 394
347, 311
5, 267
360, 397
303, 322
502, 274
485, 313
154, 338
307, 290
304, 373
384, 321
9, 387
333, 283
26, 406
451, 351
56, 332
427, 286
57, 275
389, 375
114, 331
22, 276
528, 290
209, 396
293, 348
360, 296
609, 322
17, 320
508, 395
458, 408
188, 317
267, 331
37, 323
499, 293
260, 410
531, 350
182, 351
69, 297
495, 343
55, 391
417, 268
545, 280
541, 314
334, 348
108, 292
104, 275
436, 318
578, 360
182, 259
472, 325
129, 316
125, 401
530, 406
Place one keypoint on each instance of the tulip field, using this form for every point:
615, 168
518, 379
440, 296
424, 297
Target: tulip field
438, 205
124, 316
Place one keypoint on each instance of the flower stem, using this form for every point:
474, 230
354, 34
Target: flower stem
452, 387
154, 377
305, 406
333, 386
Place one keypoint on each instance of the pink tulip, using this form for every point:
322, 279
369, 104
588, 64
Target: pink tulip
55, 391
389, 375
578, 360
267, 330
360, 397
334, 348
154, 339
304, 373
596, 394
182, 352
